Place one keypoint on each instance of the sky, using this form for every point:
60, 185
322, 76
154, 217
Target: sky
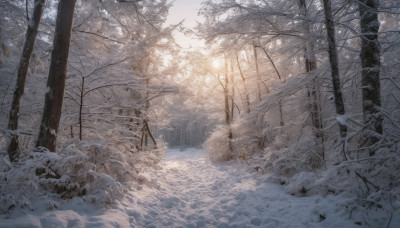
185, 10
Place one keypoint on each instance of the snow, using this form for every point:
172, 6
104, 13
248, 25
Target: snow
342, 119
191, 191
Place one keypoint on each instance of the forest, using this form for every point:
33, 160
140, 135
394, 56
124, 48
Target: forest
277, 114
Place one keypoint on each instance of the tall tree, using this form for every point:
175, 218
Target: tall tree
311, 65
57, 74
30, 37
370, 62
333, 58
228, 116
246, 90
257, 72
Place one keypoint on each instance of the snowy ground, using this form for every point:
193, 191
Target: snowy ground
191, 191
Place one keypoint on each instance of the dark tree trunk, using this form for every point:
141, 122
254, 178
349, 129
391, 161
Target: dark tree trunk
151, 135
57, 74
333, 57
81, 108
23, 66
281, 122
370, 62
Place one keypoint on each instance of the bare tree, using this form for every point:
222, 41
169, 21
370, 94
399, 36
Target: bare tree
23, 66
56, 80
370, 62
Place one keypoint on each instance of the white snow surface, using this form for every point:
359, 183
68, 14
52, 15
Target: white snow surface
192, 191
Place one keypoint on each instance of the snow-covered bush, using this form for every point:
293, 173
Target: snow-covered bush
217, 145
91, 170
244, 143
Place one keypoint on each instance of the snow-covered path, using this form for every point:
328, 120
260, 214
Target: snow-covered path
194, 192
191, 191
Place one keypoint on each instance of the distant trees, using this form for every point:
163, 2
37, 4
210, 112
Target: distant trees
115, 56
32, 30
290, 33
110, 96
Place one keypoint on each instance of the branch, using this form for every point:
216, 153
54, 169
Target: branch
103, 86
106, 65
98, 35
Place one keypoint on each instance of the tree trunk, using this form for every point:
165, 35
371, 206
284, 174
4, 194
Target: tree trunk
228, 118
333, 58
232, 95
311, 65
81, 108
246, 90
370, 62
57, 74
151, 135
281, 122
23, 66
257, 72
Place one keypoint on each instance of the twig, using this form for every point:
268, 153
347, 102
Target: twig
366, 181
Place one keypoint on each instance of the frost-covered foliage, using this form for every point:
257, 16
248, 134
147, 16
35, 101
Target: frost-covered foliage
91, 170
291, 127
115, 72
217, 145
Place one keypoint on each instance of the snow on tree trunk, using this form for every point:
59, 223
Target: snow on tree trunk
311, 65
23, 66
228, 117
57, 74
370, 62
333, 57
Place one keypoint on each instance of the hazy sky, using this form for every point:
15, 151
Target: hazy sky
185, 10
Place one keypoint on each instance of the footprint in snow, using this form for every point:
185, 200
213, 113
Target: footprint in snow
171, 202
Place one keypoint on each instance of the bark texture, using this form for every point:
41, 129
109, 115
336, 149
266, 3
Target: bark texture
333, 58
57, 74
33, 24
370, 62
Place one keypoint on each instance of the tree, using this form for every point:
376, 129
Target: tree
228, 115
311, 66
23, 66
370, 62
246, 90
334, 61
57, 74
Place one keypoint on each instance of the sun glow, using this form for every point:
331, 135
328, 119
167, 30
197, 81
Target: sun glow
216, 63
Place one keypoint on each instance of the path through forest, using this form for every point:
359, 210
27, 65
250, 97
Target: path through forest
191, 191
